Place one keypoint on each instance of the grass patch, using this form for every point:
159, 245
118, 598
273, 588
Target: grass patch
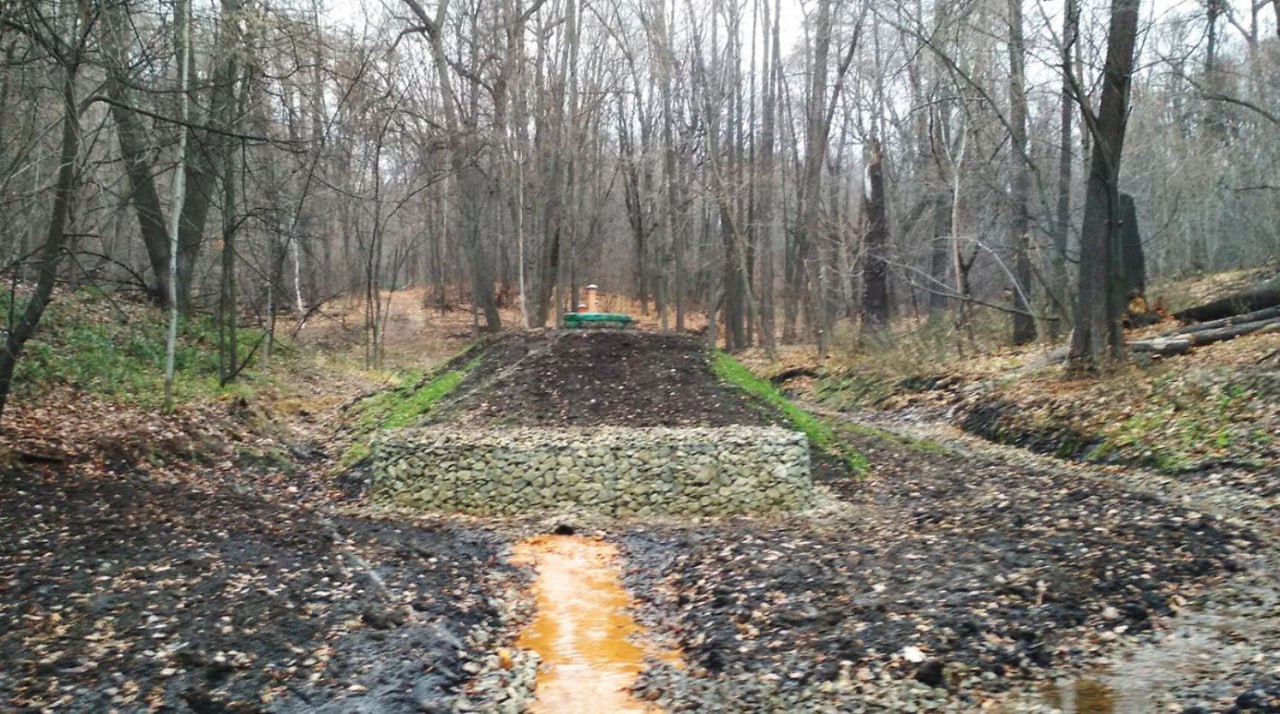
820, 433
398, 408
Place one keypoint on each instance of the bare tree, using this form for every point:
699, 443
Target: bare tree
1098, 335
66, 54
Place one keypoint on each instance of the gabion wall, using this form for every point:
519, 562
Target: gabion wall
612, 470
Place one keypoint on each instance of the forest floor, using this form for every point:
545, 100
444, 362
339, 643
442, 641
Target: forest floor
219, 560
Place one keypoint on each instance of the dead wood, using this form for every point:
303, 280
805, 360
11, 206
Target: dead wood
1204, 337
1182, 342
1162, 347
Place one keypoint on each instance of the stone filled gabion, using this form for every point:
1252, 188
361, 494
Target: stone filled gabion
611, 470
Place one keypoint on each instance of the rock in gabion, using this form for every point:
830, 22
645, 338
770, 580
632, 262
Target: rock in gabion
615, 471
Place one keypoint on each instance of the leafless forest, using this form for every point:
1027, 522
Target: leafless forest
801, 169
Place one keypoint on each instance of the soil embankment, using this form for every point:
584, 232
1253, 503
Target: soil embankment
595, 378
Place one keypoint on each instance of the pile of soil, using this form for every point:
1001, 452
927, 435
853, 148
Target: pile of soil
119, 591
596, 377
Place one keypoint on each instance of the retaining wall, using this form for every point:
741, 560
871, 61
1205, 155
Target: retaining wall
611, 470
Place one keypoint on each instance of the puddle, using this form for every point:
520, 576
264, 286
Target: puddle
1203, 650
590, 646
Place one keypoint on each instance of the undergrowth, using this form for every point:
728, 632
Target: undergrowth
866, 369
1182, 421
115, 349
820, 433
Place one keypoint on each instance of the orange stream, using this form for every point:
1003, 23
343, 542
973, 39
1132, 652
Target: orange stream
582, 630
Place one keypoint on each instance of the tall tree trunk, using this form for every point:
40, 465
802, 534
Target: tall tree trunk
200, 174
1024, 325
229, 309
674, 235
135, 152
808, 229
182, 45
1062, 223
1098, 335
939, 255
766, 191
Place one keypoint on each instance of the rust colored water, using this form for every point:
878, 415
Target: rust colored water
1082, 696
590, 646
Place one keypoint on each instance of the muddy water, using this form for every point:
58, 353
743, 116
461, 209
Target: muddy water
1211, 645
590, 646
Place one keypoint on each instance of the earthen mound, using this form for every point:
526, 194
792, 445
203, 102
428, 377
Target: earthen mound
596, 377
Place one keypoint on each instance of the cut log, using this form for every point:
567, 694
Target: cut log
1258, 298
1181, 342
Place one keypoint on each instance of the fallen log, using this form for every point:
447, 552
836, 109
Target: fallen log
1256, 315
1161, 347
1205, 337
1181, 343
1258, 298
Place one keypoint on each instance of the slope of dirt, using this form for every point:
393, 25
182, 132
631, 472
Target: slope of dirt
596, 377
123, 591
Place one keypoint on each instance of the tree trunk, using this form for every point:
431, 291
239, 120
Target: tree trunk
939, 256
1099, 335
1134, 264
470, 180
200, 175
808, 228
1024, 325
765, 197
875, 269
182, 44
55, 238
1070, 29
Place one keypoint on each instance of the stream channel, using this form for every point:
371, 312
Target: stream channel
591, 648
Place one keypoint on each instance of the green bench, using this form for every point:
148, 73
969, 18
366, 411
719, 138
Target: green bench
579, 320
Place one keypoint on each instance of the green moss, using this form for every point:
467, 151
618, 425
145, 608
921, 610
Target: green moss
820, 433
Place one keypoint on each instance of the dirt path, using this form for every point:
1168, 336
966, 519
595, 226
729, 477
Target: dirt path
956, 577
